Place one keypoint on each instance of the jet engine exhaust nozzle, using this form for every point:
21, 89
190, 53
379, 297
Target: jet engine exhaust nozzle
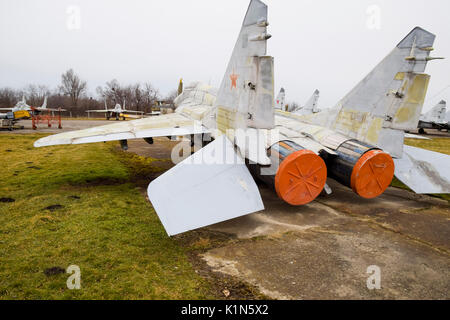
364, 168
372, 174
301, 177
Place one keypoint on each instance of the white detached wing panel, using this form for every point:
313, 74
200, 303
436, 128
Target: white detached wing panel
204, 190
424, 171
166, 125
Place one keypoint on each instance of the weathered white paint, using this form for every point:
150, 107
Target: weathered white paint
211, 186
424, 171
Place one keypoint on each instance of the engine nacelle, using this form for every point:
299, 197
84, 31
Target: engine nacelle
366, 169
298, 177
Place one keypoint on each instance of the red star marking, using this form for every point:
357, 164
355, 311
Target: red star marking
233, 78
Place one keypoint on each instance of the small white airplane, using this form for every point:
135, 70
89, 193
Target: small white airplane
435, 119
310, 107
359, 142
118, 112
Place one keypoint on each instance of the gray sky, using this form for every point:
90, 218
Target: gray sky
324, 44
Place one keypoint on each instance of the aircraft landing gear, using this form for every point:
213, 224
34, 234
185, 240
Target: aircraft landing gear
422, 131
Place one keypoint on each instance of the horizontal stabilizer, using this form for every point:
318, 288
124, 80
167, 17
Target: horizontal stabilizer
415, 136
205, 189
424, 171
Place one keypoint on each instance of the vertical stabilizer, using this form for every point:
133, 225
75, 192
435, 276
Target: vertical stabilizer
280, 103
44, 105
312, 104
245, 98
389, 100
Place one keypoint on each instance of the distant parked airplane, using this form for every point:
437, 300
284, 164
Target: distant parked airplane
118, 112
436, 118
24, 111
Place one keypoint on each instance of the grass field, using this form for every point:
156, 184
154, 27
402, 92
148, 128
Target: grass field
78, 205
85, 205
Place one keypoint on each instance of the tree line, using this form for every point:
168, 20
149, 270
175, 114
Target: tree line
72, 95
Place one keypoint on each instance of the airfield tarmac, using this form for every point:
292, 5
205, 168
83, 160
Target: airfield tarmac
322, 250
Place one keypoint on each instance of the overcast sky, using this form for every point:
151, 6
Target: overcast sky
325, 44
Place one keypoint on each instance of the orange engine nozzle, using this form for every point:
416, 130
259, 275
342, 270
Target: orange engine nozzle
301, 177
372, 174
364, 168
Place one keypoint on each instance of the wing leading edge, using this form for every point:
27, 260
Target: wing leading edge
166, 125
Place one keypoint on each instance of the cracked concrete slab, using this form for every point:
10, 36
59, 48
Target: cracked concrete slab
332, 263
322, 250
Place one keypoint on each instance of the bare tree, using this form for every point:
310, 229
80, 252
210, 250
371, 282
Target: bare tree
291, 106
150, 94
137, 97
35, 94
9, 97
72, 86
171, 96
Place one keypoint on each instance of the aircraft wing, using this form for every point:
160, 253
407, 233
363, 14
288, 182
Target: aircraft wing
132, 111
131, 116
49, 109
424, 171
100, 111
5, 109
173, 124
415, 136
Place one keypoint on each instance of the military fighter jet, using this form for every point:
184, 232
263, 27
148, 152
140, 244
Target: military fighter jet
20, 111
118, 112
353, 143
24, 111
23, 106
435, 118
311, 106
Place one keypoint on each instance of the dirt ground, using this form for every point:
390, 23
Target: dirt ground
323, 250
